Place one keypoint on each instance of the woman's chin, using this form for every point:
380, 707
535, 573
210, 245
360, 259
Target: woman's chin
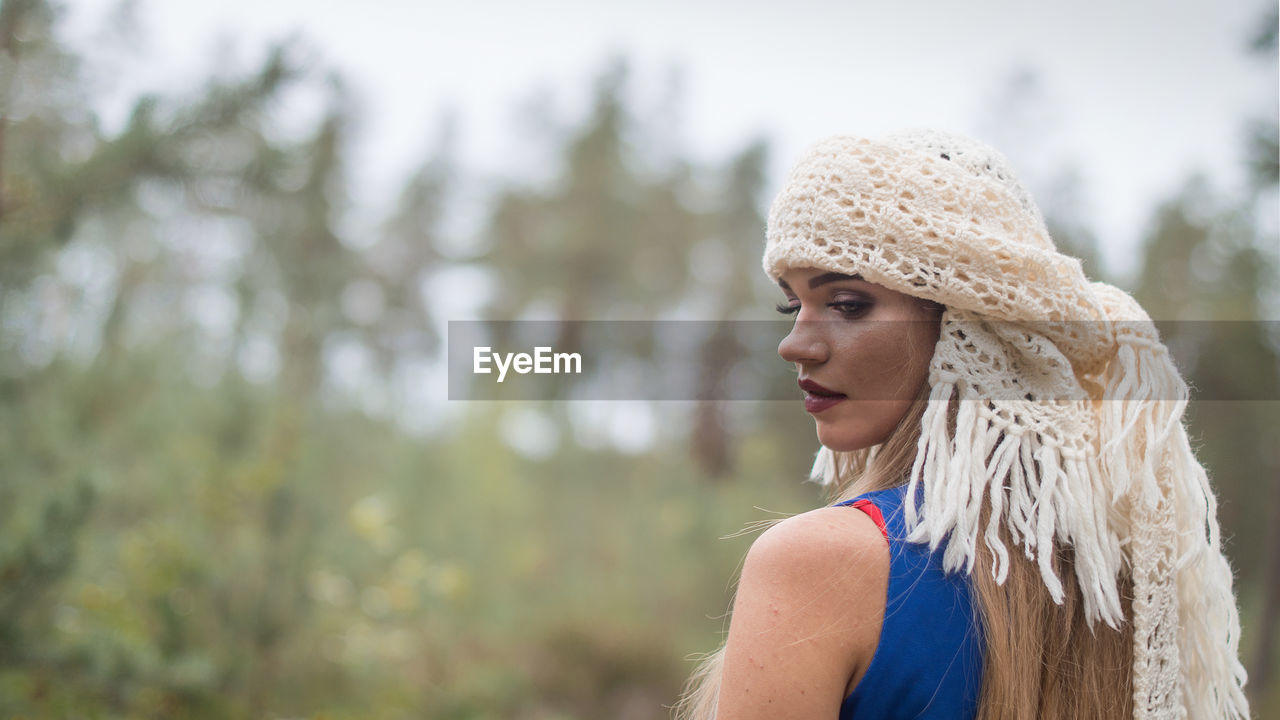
842, 439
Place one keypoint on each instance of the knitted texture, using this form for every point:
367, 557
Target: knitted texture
1067, 407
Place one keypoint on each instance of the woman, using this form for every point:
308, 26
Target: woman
1021, 529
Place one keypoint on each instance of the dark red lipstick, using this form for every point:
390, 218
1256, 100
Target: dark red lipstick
818, 398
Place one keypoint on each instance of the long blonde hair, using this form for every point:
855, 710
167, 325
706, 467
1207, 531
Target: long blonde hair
1083, 671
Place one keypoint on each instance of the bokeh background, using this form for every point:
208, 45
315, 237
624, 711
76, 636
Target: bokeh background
232, 236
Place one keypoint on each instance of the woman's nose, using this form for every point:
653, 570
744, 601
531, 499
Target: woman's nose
805, 343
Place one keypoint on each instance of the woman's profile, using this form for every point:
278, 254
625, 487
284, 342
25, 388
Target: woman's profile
1019, 526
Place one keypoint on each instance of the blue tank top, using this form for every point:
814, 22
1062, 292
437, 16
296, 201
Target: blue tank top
928, 663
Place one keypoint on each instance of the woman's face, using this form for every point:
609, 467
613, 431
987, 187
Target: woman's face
862, 352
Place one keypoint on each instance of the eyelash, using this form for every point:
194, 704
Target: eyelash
848, 308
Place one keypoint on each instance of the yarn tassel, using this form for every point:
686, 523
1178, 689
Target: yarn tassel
1048, 503
1001, 465
959, 513
932, 457
824, 470
1024, 485
1098, 556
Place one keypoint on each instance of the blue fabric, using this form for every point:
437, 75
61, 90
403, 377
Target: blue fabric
928, 663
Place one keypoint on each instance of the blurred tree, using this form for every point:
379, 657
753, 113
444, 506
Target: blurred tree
1263, 152
187, 530
404, 254
39, 108
310, 267
606, 241
198, 157
725, 268
1263, 155
66, 187
37, 479
618, 237
295, 213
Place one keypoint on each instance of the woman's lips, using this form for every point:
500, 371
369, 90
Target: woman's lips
818, 398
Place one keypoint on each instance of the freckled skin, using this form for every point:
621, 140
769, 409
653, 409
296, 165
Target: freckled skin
810, 601
865, 341
806, 617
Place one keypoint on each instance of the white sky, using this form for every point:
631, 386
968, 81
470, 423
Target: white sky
1136, 93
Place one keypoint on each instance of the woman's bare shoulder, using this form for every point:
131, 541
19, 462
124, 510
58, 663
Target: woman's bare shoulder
830, 542
807, 614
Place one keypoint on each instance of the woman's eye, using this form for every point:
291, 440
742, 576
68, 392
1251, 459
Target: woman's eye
789, 309
850, 308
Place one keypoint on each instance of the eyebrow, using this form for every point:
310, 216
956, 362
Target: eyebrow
820, 280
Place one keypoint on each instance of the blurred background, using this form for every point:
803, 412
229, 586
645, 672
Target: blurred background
232, 236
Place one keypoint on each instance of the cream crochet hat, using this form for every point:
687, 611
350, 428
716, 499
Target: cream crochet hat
1068, 408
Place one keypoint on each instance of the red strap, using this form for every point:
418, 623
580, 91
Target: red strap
873, 512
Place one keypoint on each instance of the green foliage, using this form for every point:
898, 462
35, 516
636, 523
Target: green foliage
243, 558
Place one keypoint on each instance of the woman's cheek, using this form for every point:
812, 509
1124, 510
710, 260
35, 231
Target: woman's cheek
875, 363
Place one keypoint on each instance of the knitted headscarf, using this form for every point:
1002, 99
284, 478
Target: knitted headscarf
1067, 407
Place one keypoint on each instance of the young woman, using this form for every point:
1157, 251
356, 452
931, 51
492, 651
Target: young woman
1020, 529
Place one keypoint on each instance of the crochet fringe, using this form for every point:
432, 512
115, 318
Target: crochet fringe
1143, 484
1033, 487
1187, 627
